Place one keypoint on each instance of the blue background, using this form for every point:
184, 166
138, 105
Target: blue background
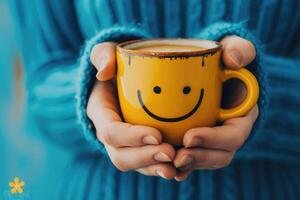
23, 152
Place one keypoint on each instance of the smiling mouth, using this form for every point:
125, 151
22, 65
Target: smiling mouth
175, 119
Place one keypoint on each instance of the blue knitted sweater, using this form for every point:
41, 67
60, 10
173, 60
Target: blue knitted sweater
56, 39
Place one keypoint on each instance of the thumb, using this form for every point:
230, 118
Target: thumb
238, 52
103, 57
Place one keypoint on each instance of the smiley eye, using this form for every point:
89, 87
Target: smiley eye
157, 89
186, 89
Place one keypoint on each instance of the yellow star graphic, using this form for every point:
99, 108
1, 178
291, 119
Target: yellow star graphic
16, 186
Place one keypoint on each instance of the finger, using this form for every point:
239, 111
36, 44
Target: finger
103, 111
103, 57
119, 134
230, 136
164, 170
202, 159
102, 102
132, 158
238, 52
182, 175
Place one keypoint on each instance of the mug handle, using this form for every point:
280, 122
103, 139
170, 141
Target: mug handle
250, 100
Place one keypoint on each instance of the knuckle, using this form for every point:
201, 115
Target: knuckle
237, 143
224, 162
122, 168
101, 137
105, 135
227, 160
119, 164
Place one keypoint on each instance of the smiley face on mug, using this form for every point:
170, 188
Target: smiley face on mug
170, 95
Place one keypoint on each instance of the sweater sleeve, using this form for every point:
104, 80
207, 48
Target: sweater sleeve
217, 32
58, 73
275, 134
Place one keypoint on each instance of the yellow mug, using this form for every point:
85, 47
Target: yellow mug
176, 84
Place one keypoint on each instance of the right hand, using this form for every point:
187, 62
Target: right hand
130, 147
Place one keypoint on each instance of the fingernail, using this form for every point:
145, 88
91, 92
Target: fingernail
186, 163
161, 157
196, 142
150, 140
101, 67
159, 173
236, 57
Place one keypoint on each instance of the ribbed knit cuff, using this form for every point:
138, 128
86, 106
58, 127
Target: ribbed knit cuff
87, 74
219, 30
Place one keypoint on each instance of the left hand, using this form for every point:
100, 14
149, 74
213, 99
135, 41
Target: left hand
213, 148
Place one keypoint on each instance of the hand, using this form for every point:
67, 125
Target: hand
130, 147
213, 148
